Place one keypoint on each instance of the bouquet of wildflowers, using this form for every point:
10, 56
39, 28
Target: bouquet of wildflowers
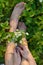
17, 36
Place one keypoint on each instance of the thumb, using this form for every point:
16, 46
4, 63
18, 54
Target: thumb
24, 42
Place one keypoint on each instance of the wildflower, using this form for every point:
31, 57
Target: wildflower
20, 41
27, 33
40, 0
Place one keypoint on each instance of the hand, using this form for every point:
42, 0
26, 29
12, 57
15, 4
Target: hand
11, 56
23, 51
26, 55
17, 57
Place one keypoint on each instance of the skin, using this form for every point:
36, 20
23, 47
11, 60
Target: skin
11, 56
27, 58
21, 26
15, 16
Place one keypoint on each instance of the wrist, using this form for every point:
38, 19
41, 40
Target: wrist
10, 47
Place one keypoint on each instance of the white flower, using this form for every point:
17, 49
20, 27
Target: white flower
27, 33
17, 36
20, 41
20, 34
17, 30
15, 33
40, 0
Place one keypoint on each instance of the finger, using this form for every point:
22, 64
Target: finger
20, 50
15, 52
18, 54
24, 42
22, 47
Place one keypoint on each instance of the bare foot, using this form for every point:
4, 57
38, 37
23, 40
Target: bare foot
15, 16
17, 10
21, 26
